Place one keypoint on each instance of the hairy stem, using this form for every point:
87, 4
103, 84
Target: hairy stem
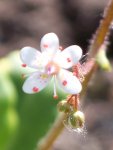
102, 30
97, 41
57, 127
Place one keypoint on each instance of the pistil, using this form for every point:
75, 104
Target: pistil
52, 68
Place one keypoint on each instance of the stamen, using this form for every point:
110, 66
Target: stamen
23, 76
26, 75
55, 96
44, 76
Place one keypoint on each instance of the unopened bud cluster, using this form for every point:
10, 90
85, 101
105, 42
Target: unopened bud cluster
75, 119
65, 107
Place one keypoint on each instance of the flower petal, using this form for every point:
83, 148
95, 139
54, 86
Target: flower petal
36, 82
50, 43
69, 56
68, 82
30, 56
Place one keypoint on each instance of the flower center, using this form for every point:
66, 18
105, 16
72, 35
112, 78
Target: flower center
52, 68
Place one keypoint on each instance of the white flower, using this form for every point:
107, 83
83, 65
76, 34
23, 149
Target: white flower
51, 63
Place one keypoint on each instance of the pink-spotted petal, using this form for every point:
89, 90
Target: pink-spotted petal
69, 56
50, 43
30, 56
36, 82
68, 82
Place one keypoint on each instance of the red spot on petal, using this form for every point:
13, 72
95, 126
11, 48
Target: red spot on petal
64, 82
55, 97
68, 60
45, 46
35, 89
24, 65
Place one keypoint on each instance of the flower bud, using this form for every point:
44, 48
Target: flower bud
76, 119
102, 59
63, 106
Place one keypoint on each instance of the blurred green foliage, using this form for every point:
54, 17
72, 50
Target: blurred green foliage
24, 118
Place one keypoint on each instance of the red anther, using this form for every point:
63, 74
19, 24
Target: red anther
68, 60
64, 82
55, 97
45, 46
35, 89
24, 65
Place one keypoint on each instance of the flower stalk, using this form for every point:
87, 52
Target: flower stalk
57, 127
102, 31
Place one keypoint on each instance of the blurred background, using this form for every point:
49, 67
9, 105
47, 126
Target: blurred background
25, 119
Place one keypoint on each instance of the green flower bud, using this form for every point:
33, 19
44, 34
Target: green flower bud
65, 107
102, 59
76, 120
